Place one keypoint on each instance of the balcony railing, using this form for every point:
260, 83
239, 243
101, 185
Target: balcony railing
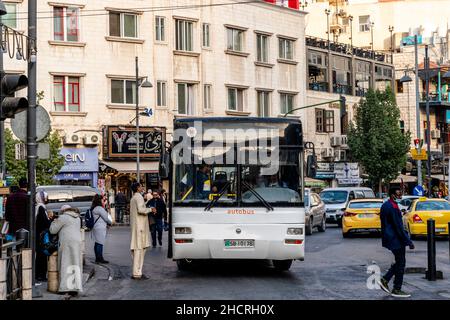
434, 97
361, 92
318, 86
342, 89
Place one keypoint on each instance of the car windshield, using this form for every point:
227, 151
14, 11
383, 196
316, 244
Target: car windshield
432, 205
333, 196
366, 205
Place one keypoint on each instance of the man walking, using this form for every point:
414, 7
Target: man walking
120, 205
139, 230
16, 209
161, 213
394, 238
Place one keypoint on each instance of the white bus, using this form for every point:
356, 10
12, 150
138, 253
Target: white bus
227, 204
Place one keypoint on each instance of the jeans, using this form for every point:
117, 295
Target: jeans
119, 213
98, 249
398, 268
157, 228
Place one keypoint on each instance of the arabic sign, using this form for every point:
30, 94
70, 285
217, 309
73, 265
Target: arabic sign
347, 173
121, 142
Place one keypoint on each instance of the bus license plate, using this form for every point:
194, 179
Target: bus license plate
239, 243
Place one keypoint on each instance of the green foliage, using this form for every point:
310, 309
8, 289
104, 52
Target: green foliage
375, 139
46, 169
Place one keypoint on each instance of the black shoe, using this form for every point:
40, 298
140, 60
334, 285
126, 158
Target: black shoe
384, 285
102, 261
143, 277
154, 245
160, 242
400, 294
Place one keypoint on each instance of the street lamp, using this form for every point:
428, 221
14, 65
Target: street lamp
371, 36
391, 29
350, 18
140, 82
327, 12
407, 79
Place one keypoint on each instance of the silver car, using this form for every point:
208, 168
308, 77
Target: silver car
315, 214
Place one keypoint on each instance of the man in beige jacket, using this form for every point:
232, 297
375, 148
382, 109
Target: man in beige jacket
140, 231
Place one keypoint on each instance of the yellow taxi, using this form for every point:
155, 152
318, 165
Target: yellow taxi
421, 210
361, 215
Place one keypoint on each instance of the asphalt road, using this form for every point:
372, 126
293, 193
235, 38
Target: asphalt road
334, 268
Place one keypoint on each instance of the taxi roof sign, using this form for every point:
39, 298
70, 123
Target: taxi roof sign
423, 199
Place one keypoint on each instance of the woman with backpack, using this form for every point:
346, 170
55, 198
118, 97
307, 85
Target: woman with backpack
43, 221
101, 222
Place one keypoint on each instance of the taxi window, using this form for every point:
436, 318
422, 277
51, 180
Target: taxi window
365, 205
432, 205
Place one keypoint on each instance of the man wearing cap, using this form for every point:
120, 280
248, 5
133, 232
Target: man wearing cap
140, 231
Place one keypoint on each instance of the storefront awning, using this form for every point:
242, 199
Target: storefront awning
405, 179
130, 166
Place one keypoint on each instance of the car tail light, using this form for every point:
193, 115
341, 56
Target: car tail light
349, 214
183, 240
293, 241
417, 219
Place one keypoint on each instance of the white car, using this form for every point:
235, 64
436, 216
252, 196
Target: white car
406, 202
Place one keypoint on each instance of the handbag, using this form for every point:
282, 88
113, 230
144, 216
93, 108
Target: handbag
151, 220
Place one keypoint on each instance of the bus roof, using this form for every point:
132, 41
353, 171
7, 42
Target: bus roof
238, 119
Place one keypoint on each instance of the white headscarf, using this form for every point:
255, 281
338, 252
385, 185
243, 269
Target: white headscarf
41, 196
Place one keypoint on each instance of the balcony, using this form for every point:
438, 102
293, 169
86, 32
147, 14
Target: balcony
318, 86
342, 89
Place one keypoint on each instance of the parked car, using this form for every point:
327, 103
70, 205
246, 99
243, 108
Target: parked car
362, 215
406, 202
336, 200
76, 196
422, 209
315, 215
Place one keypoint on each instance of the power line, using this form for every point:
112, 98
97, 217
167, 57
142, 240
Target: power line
143, 9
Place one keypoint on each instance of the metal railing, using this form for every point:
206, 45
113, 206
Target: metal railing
13, 269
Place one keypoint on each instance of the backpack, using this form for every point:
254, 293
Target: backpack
89, 219
49, 242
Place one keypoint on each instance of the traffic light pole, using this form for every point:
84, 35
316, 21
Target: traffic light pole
31, 136
2, 122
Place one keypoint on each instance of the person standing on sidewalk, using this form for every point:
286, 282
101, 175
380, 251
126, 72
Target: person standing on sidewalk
16, 209
102, 221
140, 238
161, 213
395, 238
43, 221
120, 205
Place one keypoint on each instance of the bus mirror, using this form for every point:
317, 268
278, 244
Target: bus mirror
311, 166
164, 166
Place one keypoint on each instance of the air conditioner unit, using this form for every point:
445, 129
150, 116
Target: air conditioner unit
435, 134
335, 141
91, 139
344, 141
340, 155
327, 153
72, 139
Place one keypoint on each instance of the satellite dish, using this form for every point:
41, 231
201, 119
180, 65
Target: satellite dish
19, 124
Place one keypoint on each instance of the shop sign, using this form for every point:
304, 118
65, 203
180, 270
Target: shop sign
79, 159
347, 170
120, 142
325, 166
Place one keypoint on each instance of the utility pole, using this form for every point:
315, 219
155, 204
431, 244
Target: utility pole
138, 173
2, 122
419, 162
427, 88
31, 135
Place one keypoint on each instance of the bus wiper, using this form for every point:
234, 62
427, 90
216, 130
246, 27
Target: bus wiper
257, 195
215, 199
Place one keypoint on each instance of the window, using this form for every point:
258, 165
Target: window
184, 35
123, 91
286, 102
66, 93
286, 49
235, 99
160, 29
10, 19
402, 126
186, 98
324, 120
399, 86
364, 23
206, 36
346, 25
262, 48
65, 24
123, 25
207, 96
263, 103
161, 89
235, 39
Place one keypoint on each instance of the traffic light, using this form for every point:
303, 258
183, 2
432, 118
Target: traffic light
311, 166
343, 109
10, 105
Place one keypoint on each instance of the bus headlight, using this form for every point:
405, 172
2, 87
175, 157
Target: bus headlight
295, 231
183, 230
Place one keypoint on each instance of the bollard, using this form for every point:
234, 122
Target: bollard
22, 234
83, 245
53, 276
448, 231
3, 285
27, 274
431, 244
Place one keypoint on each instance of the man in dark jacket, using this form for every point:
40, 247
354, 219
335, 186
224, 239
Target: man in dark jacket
156, 226
16, 208
120, 205
394, 238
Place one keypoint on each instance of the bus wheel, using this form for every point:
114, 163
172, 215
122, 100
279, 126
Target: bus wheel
282, 265
183, 264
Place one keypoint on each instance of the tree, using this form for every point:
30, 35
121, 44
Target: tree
46, 169
375, 139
